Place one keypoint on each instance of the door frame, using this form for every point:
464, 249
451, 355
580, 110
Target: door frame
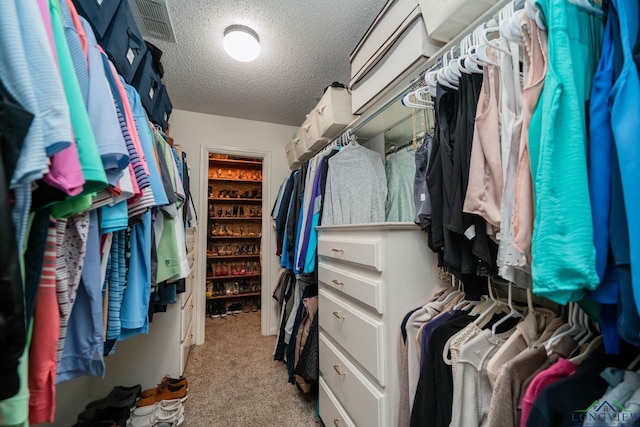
203, 213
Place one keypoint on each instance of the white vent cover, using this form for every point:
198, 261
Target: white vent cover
152, 17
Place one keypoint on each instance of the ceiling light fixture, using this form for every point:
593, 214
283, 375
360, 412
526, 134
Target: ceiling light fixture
241, 43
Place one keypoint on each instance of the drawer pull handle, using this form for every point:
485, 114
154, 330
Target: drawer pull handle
335, 368
191, 306
337, 314
338, 250
336, 422
335, 282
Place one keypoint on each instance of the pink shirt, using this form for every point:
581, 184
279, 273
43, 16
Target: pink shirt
562, 368
65, 172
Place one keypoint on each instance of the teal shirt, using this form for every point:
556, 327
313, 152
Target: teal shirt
563, 264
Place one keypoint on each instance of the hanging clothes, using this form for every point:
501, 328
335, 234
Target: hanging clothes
362, 200
400, 171
563, 264
422, 198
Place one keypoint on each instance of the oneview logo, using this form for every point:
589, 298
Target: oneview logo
605, 414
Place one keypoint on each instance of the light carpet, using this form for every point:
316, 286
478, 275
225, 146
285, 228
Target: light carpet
234, 381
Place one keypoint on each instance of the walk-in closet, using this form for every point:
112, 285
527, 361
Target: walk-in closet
363, 213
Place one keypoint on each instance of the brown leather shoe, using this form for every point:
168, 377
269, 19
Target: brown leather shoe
176, 382
166, 392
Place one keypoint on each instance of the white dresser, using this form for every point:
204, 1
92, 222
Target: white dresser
370, 276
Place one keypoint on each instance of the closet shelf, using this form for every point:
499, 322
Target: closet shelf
235, 237
236, 218
232, 256
252, 294
235, 180
239, 276
235, 162
229, 199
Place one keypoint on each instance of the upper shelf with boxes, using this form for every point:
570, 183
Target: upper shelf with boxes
330, 117
392, 53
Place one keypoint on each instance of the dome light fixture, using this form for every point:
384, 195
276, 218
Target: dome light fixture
241, 43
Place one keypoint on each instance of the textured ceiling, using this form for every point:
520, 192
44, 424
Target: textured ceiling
305, 46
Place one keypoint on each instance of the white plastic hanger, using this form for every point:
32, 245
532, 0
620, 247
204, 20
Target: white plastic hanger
634, 363
406, 101
492, 309
575, 330
597, 342
442, 75
532, 12
513, 313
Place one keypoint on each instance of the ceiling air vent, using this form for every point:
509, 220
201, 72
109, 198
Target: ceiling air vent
152, 17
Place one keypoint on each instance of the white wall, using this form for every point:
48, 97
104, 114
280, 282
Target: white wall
197, 133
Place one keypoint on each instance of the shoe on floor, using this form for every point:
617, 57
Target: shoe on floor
157, 415
166, 392
119, 397
104, 414
176, 423
176, 382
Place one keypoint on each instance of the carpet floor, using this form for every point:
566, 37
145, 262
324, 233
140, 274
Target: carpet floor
234, 381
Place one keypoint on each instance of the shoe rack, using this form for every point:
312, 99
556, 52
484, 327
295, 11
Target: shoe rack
234, 235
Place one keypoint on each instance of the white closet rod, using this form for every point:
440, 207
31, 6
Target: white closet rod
417, 82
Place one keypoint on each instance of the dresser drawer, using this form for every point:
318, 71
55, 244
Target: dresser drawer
364, 289
359, 334
331, 413
360, 399
185, 347
363, 252
187, 315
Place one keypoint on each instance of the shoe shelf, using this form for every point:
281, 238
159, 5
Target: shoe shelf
236, 237
232, 256
235, 229
237, 276
252, 294
231, 199
236, 218
235, 162
234, 180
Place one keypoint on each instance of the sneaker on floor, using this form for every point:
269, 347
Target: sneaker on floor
155, 416
237, 308
176, 423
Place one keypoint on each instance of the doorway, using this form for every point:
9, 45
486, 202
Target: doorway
234, 172
234, 236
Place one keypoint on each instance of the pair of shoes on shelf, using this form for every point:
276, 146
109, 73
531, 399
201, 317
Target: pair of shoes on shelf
218, 310
165, 391
234, 308
167, 413
254, 304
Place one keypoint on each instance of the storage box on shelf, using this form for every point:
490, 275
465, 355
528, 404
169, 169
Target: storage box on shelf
407, 46
292, 157
310, 134
370, 276
234, 232
447, 18
333, 112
